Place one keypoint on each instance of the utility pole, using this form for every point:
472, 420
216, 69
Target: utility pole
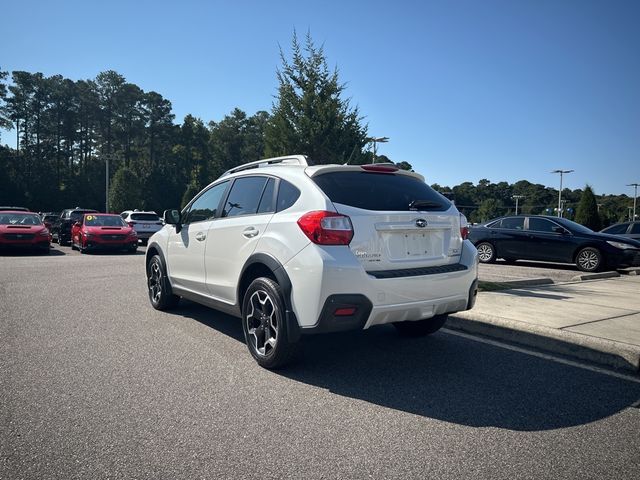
635, 197
561, 172
374, 141
516, 198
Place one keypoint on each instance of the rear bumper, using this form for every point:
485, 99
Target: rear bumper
320, 274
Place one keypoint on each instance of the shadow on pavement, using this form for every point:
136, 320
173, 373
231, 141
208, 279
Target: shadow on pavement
53, 252
447, 377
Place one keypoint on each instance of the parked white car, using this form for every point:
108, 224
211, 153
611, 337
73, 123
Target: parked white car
144, 223
294, 249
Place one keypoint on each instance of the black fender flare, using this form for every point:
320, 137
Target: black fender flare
293, 328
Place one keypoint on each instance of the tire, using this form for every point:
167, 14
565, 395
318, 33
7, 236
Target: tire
421, 328
160, 294
73, 245
589, 259
486, 252
133, 250
61, 242
144, 241
263, 313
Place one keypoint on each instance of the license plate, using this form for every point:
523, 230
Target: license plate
416, 244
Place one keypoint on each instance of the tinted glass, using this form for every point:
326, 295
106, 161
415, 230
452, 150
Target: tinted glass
104, 221
76, 215
512, 223
635, 228
146, 217
266, 203
287, 195
380, 191
573, 226
244, 196
541, 225
206, 205
9, 218
616, 229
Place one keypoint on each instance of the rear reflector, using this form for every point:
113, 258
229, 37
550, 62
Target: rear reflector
344, 312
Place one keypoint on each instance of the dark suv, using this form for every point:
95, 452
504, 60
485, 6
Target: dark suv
61, 229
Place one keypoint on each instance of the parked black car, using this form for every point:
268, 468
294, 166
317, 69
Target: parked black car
552, 239
624, 229
61, 229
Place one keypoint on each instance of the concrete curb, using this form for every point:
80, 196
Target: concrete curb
595, 276
527, 282
592, 349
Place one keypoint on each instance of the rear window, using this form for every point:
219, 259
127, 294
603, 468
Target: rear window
146, 217
380, 191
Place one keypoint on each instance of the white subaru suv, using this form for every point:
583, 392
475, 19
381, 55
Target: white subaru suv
294, 249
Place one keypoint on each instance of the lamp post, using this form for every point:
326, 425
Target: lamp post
561, 172
376, 140
635, 197
516, 198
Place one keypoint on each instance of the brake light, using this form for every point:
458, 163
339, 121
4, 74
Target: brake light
464, 227
380, 168
326, 228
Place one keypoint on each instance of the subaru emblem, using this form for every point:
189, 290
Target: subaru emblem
421, 223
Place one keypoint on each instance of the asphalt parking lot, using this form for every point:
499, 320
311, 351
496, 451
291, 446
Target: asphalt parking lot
94, 383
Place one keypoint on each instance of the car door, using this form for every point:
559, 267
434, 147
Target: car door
546, 242
508, 236
247, 211
186, 248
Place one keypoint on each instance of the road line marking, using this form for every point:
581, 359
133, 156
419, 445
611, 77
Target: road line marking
544, 356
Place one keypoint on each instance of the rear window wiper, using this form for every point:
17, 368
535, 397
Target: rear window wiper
418, 204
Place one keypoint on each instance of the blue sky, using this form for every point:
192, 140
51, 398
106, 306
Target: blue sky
498, 89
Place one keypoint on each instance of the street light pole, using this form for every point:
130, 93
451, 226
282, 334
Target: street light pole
517, 197
375, 140
635, 197
106, 186
561, 172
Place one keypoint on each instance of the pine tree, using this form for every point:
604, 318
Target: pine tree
587, 213
310, 116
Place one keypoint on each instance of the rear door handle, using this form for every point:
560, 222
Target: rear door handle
250, 232
200, 236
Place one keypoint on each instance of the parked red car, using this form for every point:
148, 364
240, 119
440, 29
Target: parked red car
23, 230
103, 231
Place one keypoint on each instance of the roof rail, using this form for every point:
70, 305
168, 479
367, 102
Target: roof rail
287, 160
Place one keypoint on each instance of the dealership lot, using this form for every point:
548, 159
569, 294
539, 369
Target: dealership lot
95, 384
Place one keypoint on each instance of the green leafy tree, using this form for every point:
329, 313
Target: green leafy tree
125, 190
587, 212
490, 208
310, 115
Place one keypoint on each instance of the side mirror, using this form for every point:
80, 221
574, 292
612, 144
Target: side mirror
172, 217
561, 230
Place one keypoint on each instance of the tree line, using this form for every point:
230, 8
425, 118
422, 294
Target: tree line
66, 131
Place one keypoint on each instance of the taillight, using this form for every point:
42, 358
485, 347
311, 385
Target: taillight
326, 228
464, 227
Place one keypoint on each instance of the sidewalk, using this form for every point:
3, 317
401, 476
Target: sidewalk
595, 320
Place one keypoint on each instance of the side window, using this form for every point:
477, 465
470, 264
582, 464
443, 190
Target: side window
244, 196
206, 205
287, 195
513, 223
541, 225
635, 228
266, 202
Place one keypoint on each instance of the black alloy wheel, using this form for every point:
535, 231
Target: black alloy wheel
160, 294
263, 323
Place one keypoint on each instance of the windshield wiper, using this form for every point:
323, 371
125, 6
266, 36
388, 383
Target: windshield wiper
418, 204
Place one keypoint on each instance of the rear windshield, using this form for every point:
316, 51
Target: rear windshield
78, 214
146, 217
380, 191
